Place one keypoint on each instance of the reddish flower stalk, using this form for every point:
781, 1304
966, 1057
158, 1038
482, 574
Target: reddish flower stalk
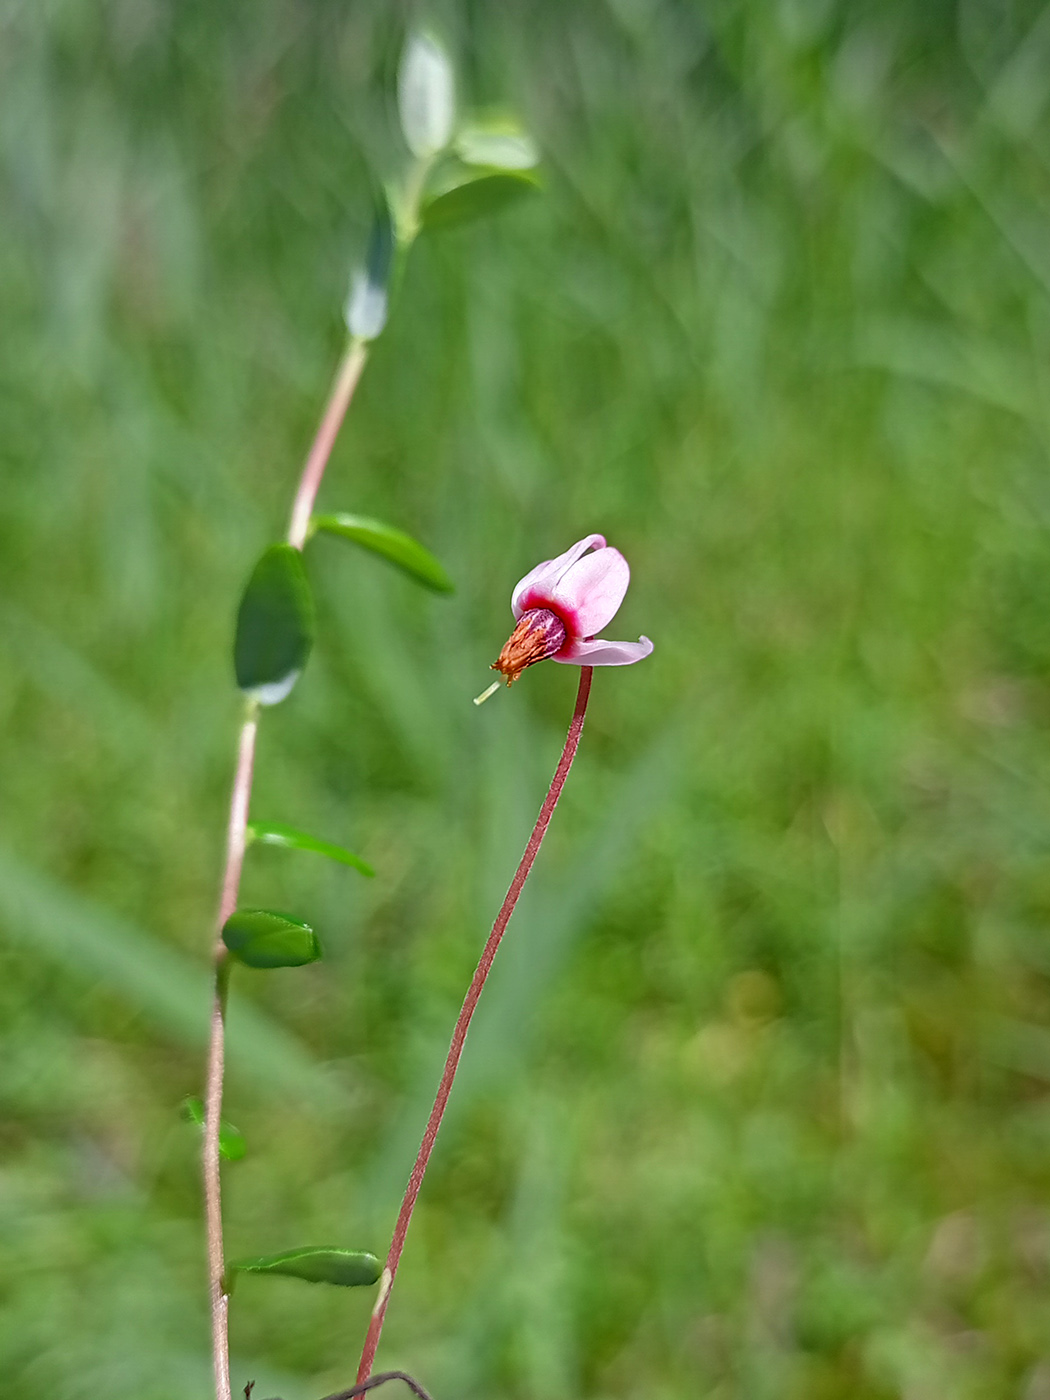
346, 381
459, 1035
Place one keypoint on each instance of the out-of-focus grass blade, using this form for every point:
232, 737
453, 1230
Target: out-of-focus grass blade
278, 834
65, 673
390, 543
90, 942
548, 922
925, 352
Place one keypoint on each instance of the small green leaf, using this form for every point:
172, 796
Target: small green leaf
278, 834
469, 192
264, 938
500, 144
231, 1141
348, 1268
392, 544
368, 301
275, 626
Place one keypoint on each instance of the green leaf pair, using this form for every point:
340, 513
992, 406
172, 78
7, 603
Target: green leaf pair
266, 938
276, 624
482, 167
491, 166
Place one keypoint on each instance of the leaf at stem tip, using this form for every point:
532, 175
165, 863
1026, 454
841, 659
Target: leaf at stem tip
231, 1141
391, 544
278, 834
348, 1268
265, 938
426, 97
468, 192
500, 144
275, 626
368, 300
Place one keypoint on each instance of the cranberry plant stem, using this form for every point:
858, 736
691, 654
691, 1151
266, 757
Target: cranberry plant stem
459, 1035
347, 376
236, 837
346, 380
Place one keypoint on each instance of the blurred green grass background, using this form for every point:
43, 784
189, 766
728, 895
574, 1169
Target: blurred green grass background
757, 1104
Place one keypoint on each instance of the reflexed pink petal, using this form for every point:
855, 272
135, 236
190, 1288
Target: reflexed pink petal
590, 592
599, 652
547, 574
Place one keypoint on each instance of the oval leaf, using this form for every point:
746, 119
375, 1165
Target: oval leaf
366, 306
231, 1141
392, 544
275, 626
500, 145
478, 193
278, 834
264, 938
348, 1268
426, 97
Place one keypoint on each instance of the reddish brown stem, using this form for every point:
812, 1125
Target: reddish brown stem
459, 1035
350, 370
236, 835
346, 381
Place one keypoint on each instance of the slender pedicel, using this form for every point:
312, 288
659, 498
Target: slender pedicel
558, 607
348, 375
459, 1035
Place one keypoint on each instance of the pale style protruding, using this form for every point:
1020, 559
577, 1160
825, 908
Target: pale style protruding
560, 605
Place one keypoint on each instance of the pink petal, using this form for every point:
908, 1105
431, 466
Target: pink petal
599, 652
547, 574
591, 590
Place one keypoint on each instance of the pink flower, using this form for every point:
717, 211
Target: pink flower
559, 606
